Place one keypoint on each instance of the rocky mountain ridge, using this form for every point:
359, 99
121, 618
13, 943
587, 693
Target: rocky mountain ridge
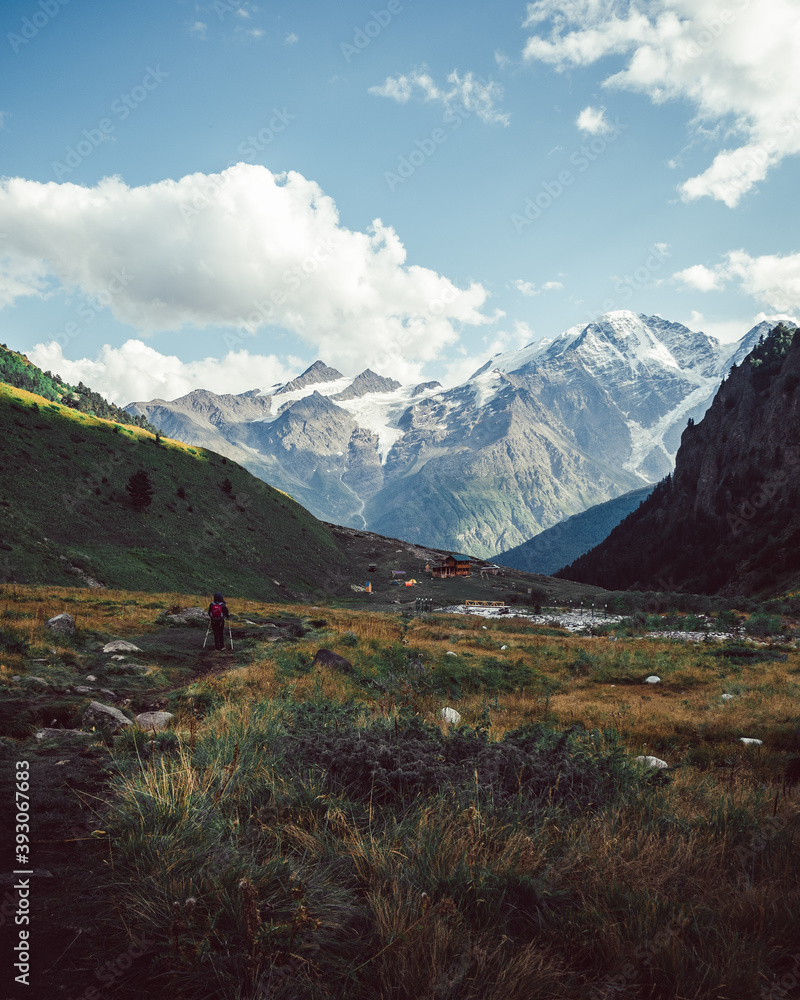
534, 436
726, 521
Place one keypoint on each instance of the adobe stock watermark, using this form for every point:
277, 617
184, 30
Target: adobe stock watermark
748, 509
628, 284
712, 29
292, 279
87, 312
362, 37
249, 147
551, 190
31, 26
121, 107
424, 149
643, 955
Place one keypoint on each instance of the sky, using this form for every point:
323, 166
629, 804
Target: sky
216, 194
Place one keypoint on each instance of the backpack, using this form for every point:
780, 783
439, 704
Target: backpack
216, 610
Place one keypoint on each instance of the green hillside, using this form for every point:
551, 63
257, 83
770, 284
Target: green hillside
68, 517
17, 370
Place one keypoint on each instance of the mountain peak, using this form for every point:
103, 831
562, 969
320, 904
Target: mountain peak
367, 381
318, 372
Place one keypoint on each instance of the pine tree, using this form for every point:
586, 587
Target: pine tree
140, 490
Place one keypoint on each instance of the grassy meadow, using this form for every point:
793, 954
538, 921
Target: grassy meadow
307, 831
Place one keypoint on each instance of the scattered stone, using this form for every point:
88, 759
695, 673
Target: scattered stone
451, 715
727, 697
91, 677
327, 658
82, 689
65, 735
105, 717
154, 720
751, 742
653, 762
120, 646
188, 616
64, 624
108, 692
504, 647
652, 679
38, 680
451, 653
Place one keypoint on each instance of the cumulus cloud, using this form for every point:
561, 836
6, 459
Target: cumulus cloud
730, 64
135, 372
290, 39
473, 94
244, 249
700, 278
594, 121
529, 289
772, 280
198, 29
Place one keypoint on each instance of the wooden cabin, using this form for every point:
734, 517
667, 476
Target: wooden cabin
452, 566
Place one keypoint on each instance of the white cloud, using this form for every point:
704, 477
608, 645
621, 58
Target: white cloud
243, 249
772, 280
700, 278
473, 94
594, 121
198, 29
135, 372
528, 288
290, 39
729, 63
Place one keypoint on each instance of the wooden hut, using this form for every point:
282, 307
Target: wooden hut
452, 566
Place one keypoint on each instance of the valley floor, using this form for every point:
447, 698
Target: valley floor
311, 826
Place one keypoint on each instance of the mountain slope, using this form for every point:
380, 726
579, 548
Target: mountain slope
67, 517
566, 541
534, 436
727, 521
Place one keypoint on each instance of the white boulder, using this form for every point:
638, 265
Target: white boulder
727, 697
652, 679
751, 742
120, 646
154, 720
653, 761
451, 715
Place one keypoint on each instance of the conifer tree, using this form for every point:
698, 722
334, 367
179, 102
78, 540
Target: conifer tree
140, 490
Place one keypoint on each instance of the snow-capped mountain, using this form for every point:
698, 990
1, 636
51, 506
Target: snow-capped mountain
534, 436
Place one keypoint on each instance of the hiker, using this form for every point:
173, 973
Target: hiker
218, 612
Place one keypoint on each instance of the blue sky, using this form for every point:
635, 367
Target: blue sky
216, 194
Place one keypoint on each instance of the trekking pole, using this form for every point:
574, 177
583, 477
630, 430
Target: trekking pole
207, 631
230, 634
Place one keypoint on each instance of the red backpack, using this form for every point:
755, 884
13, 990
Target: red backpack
216, 610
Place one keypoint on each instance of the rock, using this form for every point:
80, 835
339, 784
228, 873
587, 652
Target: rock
451, 715
652, 679
105, 717
751, 742
327, 658
64, 624
504, 647
120, 646
82, 689
108, 692
65, 735
653, 762
38, 680
451, 653
91, 677
154, 720
188, 616
727, 697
